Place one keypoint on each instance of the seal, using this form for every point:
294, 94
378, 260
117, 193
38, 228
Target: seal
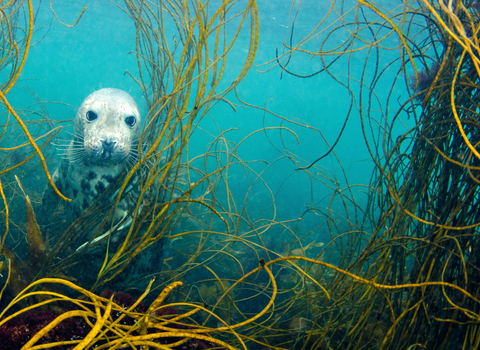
106, 128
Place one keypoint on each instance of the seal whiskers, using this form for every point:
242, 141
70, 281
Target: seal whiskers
72, 150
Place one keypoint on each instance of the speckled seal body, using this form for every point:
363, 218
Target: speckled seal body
106, 129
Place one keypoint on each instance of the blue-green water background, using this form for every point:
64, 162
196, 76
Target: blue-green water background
66, 64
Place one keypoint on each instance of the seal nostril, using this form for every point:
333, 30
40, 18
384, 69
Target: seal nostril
108, 144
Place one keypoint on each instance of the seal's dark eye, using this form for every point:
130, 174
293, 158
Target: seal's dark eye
91, 116
130, 121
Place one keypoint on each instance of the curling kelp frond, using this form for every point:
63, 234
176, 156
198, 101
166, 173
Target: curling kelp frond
95, 321
119, 320
421, 222
183, 94
398, 259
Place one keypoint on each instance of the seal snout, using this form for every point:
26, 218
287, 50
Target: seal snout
108, 146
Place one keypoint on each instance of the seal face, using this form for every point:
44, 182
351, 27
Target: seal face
106, 129
107, 122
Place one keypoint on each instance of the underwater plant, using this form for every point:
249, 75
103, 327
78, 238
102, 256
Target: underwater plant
400, 268
81, 325
422, 220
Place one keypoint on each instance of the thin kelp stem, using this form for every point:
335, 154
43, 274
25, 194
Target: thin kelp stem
390, 264
171, 117
421, 223
12, 111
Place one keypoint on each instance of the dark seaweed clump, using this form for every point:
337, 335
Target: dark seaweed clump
425, 79
18, 331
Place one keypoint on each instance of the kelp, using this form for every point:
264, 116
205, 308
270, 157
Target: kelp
424, 190
400, 269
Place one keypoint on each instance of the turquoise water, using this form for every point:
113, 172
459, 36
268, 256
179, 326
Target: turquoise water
289, 119
66, 64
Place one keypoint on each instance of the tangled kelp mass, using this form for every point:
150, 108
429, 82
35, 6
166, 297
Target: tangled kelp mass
399, 269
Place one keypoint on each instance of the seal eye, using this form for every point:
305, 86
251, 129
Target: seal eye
130, 121
91, 116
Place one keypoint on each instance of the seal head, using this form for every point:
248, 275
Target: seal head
107, 124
